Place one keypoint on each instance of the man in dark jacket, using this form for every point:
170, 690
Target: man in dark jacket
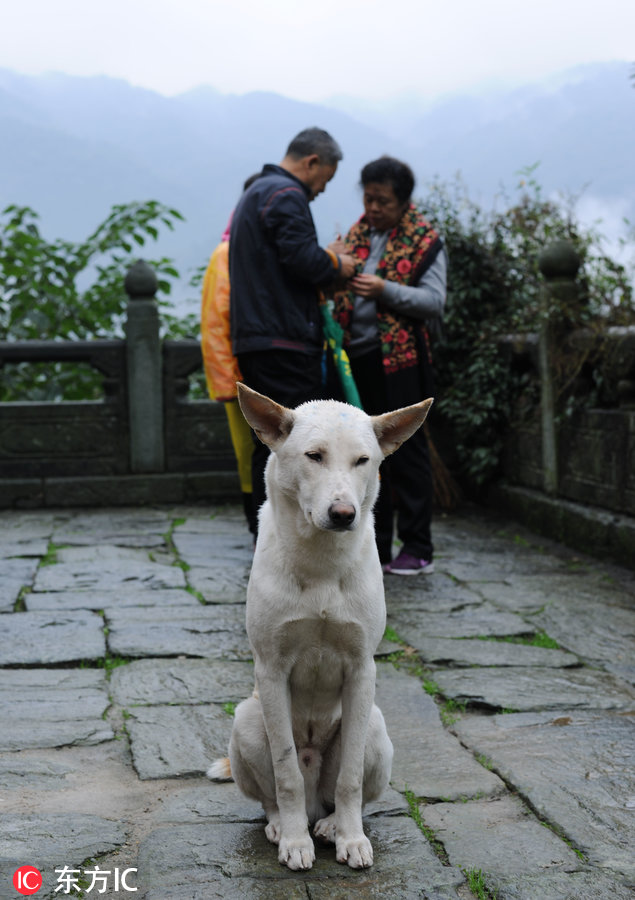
276, 269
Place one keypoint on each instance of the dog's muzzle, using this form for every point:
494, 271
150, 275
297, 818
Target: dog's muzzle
341, 516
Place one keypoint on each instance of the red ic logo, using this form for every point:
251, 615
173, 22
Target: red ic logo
27, 880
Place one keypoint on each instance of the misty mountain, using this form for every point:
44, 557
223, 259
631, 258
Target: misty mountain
71, 147
578, 126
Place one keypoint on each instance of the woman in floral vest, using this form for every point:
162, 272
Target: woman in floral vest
397, 293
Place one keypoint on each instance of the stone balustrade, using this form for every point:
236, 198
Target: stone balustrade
144, 442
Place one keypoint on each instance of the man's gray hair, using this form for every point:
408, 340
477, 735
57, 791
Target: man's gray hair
318, 141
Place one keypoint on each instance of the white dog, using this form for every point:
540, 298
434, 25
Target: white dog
310, 745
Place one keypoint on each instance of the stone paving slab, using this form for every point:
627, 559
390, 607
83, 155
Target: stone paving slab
126, 527
583, 627
44, 638
499, 836
209, 549
15, 575
22, 529
479, 568
213, 632
594, 885
25, 549
150, 682
474, 652
20, 772
104, 556
221, 521
216, 887
438, 594
53, 708
530, 593
576, 768
234, 861
415, 625
533, 688
51, 841
221, 583
210, 801
53, 601
428, 760
108, 575
171, 741
23, 524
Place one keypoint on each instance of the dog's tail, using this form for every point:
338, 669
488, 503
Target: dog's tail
220, 770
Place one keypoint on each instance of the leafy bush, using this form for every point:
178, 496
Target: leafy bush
42, 297
493, 290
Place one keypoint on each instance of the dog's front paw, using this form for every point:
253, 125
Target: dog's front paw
298, 853
357, 852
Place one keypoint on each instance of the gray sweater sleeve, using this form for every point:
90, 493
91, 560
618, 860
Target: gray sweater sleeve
426, 299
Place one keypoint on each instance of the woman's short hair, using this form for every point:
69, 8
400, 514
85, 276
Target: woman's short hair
388, 169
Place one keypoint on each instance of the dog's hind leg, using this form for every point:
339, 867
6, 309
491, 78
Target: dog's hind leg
251, 765
377, 758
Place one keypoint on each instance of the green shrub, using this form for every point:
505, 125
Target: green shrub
493, 290
60, 290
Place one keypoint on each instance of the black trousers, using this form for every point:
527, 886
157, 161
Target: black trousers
287, 376
406, 476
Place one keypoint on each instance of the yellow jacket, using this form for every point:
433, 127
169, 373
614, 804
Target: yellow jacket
221, 367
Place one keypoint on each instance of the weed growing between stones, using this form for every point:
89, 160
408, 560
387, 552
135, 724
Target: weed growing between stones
560, 833
20, 603
180, 563
538, 639
168, 537
450, 711
476, 883
415, 814
51, 554
391, 635
230, 708
109, 663
431, 687
195, 593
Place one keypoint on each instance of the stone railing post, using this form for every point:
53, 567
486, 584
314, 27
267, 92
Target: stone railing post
144, 370
559, 264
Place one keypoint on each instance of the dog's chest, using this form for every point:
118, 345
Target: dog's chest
318, 667
314, 619
322, 638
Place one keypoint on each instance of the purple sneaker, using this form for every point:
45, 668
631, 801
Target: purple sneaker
405, 564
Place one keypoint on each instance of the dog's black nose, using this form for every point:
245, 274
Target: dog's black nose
341, 514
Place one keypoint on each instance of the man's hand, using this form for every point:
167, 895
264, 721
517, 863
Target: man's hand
370, 286
337, 246
348, 266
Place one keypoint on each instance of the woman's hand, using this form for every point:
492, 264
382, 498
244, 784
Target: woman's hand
370, 286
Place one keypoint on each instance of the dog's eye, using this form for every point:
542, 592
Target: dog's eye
314, 455
362, 461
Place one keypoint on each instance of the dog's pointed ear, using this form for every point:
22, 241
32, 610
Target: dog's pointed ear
393, 428
271, 422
